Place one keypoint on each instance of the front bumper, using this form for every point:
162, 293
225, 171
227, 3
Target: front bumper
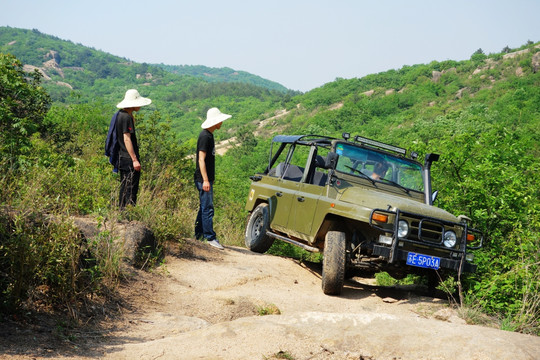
401, 255
428, 233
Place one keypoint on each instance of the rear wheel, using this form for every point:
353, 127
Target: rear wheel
256, 239
333, 273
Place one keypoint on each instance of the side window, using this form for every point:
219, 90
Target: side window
294, 169
320, 174
300, 156
278, 167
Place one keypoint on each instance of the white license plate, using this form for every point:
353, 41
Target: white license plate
423, 261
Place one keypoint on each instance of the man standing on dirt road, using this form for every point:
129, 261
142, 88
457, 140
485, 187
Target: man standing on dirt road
129, 159
205, 175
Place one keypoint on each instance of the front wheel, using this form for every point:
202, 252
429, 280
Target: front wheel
333, 273
256, 239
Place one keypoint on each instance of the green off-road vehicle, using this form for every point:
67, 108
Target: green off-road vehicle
364, 204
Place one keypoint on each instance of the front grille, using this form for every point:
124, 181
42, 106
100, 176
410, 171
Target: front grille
423, 230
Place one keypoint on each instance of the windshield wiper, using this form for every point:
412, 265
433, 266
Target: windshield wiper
361, 173
395, 184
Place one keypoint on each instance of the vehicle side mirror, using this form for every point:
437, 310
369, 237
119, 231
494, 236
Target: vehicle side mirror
331, 160
434, 196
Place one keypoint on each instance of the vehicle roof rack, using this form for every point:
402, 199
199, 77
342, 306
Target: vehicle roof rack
379, 144
306, 139
311, 139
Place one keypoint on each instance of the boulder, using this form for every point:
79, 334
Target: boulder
133, 239
369, 92
536, 62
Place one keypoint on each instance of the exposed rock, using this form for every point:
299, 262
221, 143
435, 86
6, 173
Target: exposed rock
515, 54
31, 68
536, 62
54, 56
146, 76
436, 75
133, 238
52, 64
61, 83
369, 92
459, 93
449, 315
336, 106
389, 92
519, 71
478, 70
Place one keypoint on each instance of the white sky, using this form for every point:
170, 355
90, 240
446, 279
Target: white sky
301, 44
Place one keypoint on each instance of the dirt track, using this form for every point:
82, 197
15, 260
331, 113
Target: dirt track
205, 304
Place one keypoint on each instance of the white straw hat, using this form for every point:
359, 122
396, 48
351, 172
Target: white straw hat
214, 117
132, 100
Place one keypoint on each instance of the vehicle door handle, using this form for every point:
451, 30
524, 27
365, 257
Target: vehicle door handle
300, 198
279, 194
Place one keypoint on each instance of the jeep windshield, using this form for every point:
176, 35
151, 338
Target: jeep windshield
379, 166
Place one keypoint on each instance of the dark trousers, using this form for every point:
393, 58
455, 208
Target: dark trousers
129, 183
204, 224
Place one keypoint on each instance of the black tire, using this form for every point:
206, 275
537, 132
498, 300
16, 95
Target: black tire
256, 239
333, 273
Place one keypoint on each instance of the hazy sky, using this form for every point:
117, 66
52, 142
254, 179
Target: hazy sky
301, 44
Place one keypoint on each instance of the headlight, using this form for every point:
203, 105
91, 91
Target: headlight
450, 239
403, 229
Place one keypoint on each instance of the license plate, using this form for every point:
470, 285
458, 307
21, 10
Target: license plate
423, 261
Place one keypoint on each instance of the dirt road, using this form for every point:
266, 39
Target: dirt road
207, 304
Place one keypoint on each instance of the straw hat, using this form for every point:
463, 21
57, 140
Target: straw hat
214, 117
132, 100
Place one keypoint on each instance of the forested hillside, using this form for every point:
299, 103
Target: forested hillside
482, 115
74, 74
223, 75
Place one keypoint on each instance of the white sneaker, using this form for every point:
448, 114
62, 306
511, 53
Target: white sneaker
216, 244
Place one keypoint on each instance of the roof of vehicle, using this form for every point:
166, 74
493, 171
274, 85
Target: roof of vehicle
305, 139
326, 140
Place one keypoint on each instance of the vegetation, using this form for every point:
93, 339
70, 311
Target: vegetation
482, 115
223, 75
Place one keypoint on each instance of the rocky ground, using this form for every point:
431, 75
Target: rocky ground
203, 303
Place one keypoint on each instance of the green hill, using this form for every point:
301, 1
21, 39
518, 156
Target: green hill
74, 74
223, 75
37, 49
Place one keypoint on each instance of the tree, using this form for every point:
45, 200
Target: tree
478, 55
23, 106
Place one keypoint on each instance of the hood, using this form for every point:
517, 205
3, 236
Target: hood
376, 199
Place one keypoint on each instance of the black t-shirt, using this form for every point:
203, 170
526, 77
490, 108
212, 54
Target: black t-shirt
125, 124
206, 143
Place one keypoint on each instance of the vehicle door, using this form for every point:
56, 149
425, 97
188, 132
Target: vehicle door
305, 200
288, 175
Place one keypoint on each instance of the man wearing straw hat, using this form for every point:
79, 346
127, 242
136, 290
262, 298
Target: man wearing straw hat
205, 175
128, 159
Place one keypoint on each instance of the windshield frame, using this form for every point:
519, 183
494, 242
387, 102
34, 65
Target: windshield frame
358, 161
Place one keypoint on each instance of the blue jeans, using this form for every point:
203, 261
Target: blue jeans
204, 224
